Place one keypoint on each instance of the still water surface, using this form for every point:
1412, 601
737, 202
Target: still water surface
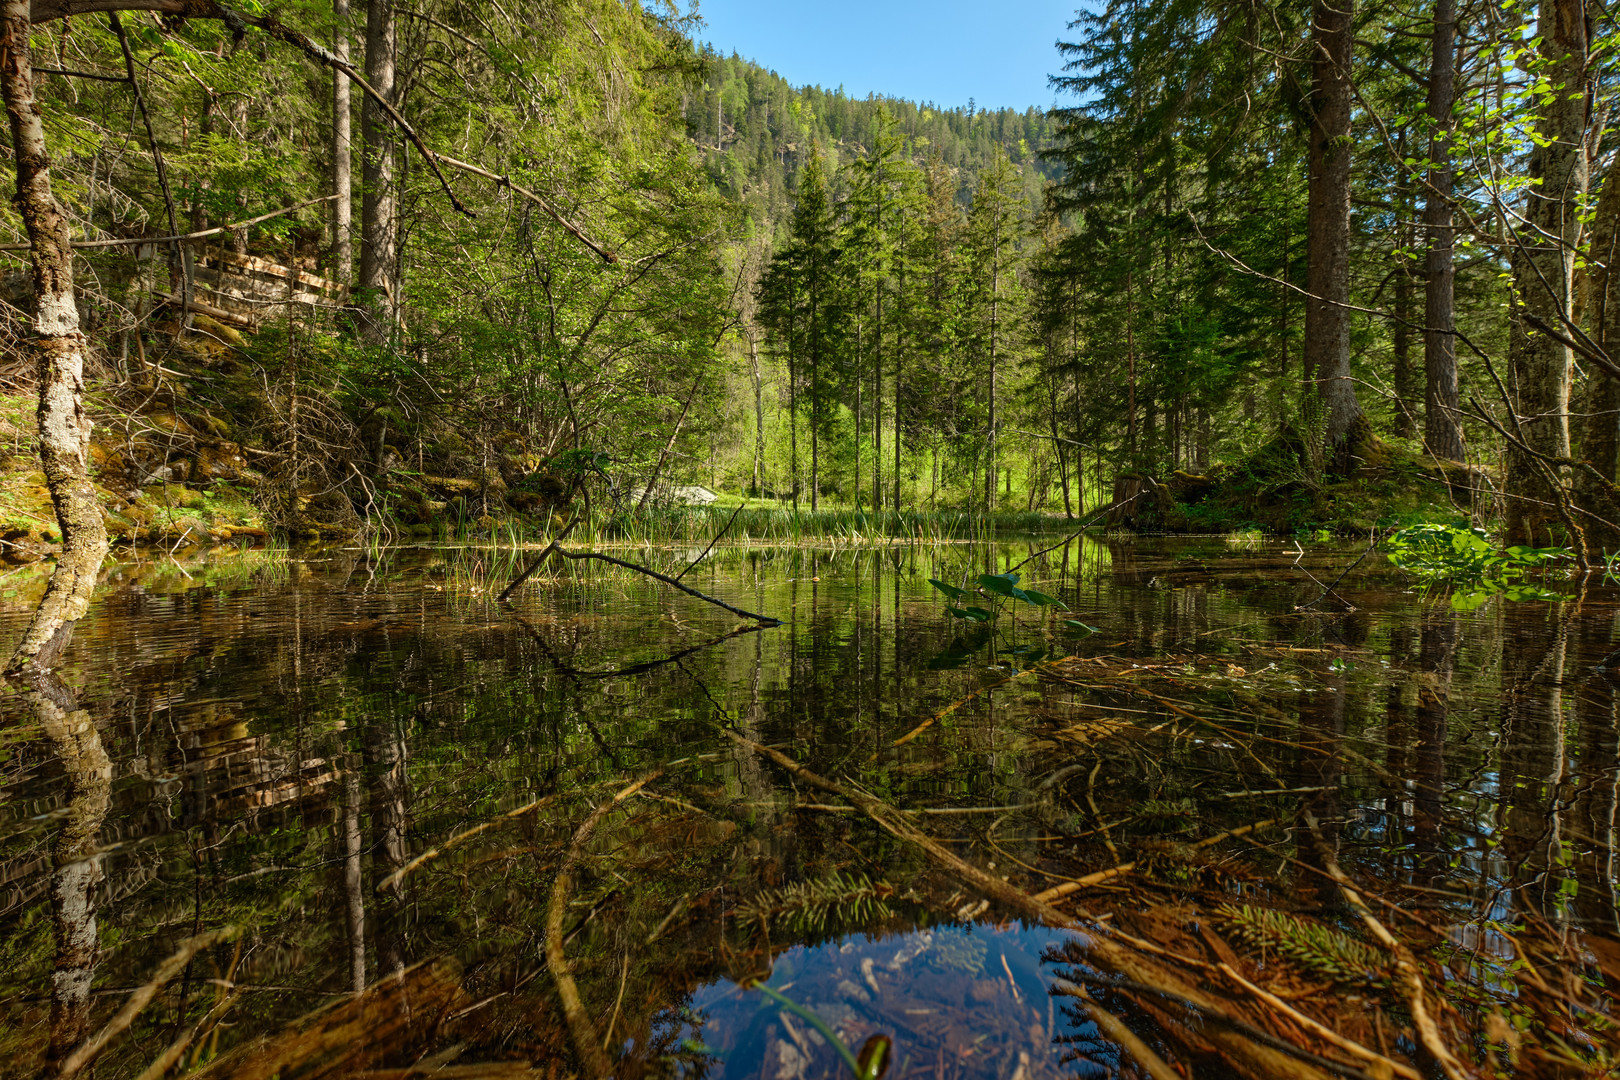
338, 759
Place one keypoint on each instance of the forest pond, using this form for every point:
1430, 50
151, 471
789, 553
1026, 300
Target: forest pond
354, 800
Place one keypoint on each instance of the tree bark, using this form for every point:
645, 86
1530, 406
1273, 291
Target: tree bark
1600, 430
1327, 316
1541, 367
379, 204
342, 153
1442, 425
58, 347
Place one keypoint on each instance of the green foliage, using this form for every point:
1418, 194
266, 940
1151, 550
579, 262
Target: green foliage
1319, 949
842, 899
1466, 559
1002, 586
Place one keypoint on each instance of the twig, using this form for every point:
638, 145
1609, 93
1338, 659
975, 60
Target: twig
1405, 964
200, 234
713, 542
552, 548
579, 1021
1113, 1027
521, 578
1327, 590
88, 1051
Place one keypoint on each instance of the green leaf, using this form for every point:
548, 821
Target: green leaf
949, 590
1003, 585
1044, 600
1076, 624
977, 614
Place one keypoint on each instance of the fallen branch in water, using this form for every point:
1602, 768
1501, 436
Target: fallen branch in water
1113, 1027
1057, 892
1257, 1060
580, 1026
554, 548
1405, 964
89, 1050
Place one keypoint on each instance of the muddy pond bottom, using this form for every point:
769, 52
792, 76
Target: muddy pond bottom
975, 996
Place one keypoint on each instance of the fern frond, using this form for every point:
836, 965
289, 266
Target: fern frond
1320, 949
851, 898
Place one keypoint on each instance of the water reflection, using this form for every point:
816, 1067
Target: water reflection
76, 860
374, 768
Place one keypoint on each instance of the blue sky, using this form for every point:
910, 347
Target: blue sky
944, 51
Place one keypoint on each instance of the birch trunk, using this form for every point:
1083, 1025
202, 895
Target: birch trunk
58, 347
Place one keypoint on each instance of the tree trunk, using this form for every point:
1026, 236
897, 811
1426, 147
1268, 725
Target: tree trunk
76, 859
379, 205
1401, 328
1327, 318
759, 415
58, 347
1540, 366
1442, 422
990, 431
342, 154
1600, 431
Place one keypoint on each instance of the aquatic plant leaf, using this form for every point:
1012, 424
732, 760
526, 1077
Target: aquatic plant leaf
873, 1061
949, 590
1076, 624
1043, 600
1003, 585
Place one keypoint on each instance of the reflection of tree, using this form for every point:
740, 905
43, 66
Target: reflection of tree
1595, 811
76, 865
1436, 654
1532, 752
387, 754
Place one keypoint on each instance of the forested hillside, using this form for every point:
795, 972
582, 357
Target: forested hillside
756, 131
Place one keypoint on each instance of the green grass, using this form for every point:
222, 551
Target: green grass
768, 524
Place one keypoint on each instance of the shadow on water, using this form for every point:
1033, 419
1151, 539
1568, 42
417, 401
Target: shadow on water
348, 784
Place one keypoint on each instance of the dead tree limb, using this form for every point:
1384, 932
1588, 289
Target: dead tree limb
1101, 949
595, 1059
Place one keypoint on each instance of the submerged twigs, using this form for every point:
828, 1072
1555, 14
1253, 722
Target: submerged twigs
1255, 1057
433, 853
586, 1041
1113, 1027
1348, 1045
1057, 892
90, 1049
947, 710
555, 548
1411, 980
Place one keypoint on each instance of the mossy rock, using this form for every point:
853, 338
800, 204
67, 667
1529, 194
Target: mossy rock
174, 496
183, 529
218, 329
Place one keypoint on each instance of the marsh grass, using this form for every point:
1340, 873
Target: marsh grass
763, 525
